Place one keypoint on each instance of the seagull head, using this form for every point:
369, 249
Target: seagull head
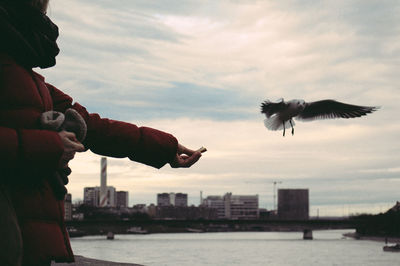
297, 104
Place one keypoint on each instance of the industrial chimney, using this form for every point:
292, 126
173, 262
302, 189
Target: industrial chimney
103, 182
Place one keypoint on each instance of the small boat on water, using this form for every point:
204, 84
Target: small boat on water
110, 235
392, 248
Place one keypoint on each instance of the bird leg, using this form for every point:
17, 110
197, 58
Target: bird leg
284, 128
290, 121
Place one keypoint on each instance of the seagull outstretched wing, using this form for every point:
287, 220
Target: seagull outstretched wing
332, 109
270, 108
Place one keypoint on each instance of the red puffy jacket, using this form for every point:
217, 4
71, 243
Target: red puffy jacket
29, 155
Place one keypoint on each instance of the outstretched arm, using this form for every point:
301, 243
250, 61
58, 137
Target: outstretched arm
119, 139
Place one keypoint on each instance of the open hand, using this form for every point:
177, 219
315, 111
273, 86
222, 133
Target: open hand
185, 157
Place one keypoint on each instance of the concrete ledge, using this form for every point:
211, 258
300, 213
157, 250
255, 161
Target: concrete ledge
82, 261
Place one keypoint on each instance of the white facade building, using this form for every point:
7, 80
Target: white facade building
215, 202
234, 206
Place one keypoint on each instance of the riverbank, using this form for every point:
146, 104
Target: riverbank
82, 261
382, 239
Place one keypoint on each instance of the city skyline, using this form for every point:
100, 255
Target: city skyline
313, 211
200, 71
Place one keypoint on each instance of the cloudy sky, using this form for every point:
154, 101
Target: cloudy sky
200, 69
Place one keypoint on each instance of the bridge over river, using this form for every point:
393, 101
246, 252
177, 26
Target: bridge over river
96, 227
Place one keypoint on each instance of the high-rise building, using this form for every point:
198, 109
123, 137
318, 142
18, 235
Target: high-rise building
181, 200
172, 199
68, 207
163, 199
122, 199
91, 196
234, 206
293, 204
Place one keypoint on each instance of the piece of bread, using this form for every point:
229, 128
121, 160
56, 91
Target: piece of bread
202, 149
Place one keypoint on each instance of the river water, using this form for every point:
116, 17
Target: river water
238, 248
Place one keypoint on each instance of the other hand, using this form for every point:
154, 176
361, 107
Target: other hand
71, 146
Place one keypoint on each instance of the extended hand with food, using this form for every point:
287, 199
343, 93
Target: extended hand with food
186, 157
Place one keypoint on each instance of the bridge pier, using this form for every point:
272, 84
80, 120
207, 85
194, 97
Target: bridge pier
307, 234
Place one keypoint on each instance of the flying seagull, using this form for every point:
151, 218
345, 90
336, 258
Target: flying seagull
279, 115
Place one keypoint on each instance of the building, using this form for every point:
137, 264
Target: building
163, 199
91, 196
234, 207
241, 206
68, 207
111, 200
140, 208
215, 202
181, 200
122, 199
293, 204
103, 196
172, 199
152, 210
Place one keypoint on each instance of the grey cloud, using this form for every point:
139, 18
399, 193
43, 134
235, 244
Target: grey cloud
178, 100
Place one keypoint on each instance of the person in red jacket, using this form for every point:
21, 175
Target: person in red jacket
31, 224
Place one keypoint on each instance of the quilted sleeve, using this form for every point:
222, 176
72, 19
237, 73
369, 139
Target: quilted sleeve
120, 139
